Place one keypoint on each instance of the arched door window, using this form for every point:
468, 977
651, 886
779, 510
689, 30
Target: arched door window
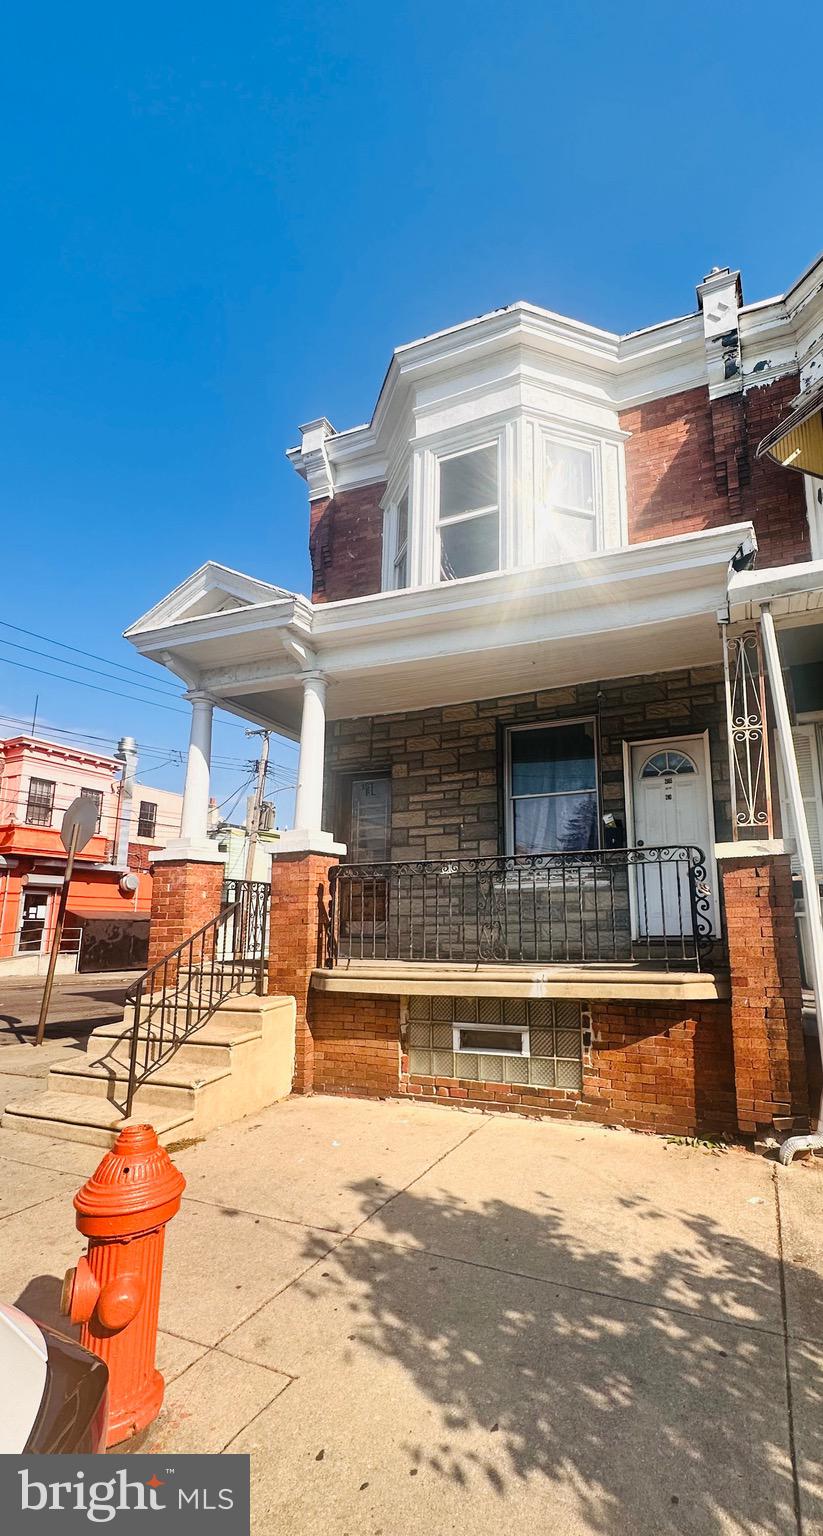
662, 764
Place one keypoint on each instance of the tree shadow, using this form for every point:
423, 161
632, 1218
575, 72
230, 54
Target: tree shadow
632, 1375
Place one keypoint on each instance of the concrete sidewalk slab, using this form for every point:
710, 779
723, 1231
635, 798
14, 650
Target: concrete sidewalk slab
211, 1401
800, 1191
74, 1157
544, 1199
23, 1186
433, 1394
321, 1162
806, 1367
221, 1265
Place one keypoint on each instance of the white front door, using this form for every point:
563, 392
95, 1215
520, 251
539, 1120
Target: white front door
671, 800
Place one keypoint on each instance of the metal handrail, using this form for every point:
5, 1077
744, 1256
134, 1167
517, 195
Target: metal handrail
599, 905
182, 991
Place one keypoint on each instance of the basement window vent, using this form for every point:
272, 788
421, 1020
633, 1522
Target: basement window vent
497, 1040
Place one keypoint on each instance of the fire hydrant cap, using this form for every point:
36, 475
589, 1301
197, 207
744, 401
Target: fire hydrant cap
135, 1187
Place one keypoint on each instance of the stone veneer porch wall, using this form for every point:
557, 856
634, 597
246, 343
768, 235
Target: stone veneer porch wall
445, 763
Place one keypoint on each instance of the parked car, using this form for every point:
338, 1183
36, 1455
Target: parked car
55, 1394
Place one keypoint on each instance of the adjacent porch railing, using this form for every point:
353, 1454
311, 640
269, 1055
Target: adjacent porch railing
184, 989
618, 905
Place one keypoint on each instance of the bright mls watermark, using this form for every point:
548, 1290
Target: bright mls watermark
148, 1493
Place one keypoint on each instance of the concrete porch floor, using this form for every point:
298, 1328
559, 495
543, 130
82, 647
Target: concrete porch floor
423, 1319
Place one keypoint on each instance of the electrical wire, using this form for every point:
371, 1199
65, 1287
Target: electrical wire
30, 650
64, 646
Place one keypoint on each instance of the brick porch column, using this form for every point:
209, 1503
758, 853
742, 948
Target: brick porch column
299, 898
185, 894
766, 1001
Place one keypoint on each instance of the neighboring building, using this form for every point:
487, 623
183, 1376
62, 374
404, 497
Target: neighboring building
234, 843
110, 895
534, 619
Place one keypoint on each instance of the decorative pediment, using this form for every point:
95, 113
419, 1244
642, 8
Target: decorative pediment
212, 589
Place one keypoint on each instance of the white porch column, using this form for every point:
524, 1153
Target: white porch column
308, 804
307, 835
795, 796
195, 817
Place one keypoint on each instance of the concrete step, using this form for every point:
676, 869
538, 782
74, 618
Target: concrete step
236, 1063
209, 1045
173, 1085
90, 1119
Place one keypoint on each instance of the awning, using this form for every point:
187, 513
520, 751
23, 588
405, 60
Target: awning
797, 443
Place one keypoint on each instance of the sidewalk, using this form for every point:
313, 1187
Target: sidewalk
78, 1005
420, 1319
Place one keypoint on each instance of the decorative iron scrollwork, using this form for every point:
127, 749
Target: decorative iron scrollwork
746, 726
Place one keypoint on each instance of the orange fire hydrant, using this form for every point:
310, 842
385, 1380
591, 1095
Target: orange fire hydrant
114, 1291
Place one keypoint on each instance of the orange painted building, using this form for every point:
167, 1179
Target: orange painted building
110, 897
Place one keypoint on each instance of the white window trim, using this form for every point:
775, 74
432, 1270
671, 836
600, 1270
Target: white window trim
391, 526
494, 508
491, 1029
547, 725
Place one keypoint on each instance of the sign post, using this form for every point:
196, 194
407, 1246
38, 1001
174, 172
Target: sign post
79, 824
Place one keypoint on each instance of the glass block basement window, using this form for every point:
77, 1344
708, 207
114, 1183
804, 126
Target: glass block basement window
496, 1040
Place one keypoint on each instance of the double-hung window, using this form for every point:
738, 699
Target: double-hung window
97, 796
400, 569
40, 802
569, 515
552, 788
468, 513
147, 818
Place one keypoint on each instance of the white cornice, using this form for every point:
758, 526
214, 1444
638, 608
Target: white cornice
776, 335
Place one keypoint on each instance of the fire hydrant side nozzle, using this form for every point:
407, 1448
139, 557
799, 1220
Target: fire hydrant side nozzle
114, 1292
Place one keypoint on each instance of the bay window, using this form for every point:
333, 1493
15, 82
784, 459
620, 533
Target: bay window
468, 513
552, 788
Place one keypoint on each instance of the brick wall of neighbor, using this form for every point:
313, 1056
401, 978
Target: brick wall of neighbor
690, 464
444, 762
654, 1067
346, 544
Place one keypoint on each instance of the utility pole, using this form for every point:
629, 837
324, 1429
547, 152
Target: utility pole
256, 806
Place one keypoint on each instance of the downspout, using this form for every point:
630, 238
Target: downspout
808, 874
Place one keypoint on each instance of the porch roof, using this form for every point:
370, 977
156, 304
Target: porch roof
646, 607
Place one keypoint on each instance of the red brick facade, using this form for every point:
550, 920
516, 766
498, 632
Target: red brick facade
655, 1067
690, 465
356, 1044
346, 544
184, 897
767, 1032
299, 893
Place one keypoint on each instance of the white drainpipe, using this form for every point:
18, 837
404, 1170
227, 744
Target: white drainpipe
804, 852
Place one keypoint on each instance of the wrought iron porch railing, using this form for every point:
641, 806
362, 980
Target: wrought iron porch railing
612, 905
182, 991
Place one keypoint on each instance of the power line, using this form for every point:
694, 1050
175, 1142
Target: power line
64, 646
77, 682
218, 760
31, 651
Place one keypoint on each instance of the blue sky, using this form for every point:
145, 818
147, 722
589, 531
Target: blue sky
219, 220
